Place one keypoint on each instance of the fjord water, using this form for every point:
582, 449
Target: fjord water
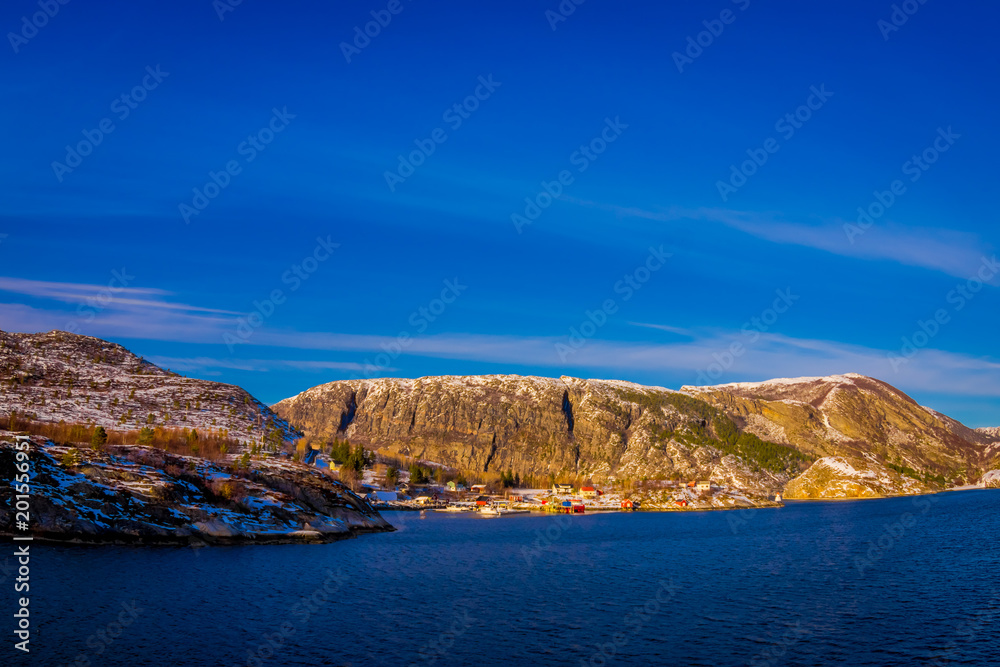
878, 582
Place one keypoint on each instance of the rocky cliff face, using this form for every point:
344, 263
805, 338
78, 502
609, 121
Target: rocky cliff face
609, 429
991, 480
534, 426
78, 379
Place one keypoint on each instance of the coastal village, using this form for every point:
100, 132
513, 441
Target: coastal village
563, 498
398, 491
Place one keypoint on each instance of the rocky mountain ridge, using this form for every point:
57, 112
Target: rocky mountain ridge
863, 419
991, 433
752, 436
534, 426
58, 376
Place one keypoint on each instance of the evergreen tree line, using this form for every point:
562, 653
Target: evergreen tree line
719, 431
211, 445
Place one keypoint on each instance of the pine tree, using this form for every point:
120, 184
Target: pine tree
146, 436
71, 458
99, 438
356, 459
418, 474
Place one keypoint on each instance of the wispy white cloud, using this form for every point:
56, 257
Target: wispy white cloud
59, 290
772, 355
117, 322
191, 364
664, 327
952, 252
100, 296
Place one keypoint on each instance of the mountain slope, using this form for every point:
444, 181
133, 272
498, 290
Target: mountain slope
123, 493
61, 376
538, 427
755, 436
840, 477
141, 495
856, 416
991, 432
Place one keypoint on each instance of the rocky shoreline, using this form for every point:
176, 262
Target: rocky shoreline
198, 540
134, 495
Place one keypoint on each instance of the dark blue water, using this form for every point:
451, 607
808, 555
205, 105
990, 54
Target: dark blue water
880, 582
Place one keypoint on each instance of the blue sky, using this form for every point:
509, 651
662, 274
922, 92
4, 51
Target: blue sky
446, 268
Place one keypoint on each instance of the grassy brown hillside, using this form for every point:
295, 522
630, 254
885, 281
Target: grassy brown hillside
859, 417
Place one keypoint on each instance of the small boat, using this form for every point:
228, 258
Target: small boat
489, 510
455, 509
777, 498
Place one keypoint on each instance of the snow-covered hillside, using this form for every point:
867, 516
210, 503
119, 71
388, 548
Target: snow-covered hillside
57, 376
837, 477
143, 495
991, 432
